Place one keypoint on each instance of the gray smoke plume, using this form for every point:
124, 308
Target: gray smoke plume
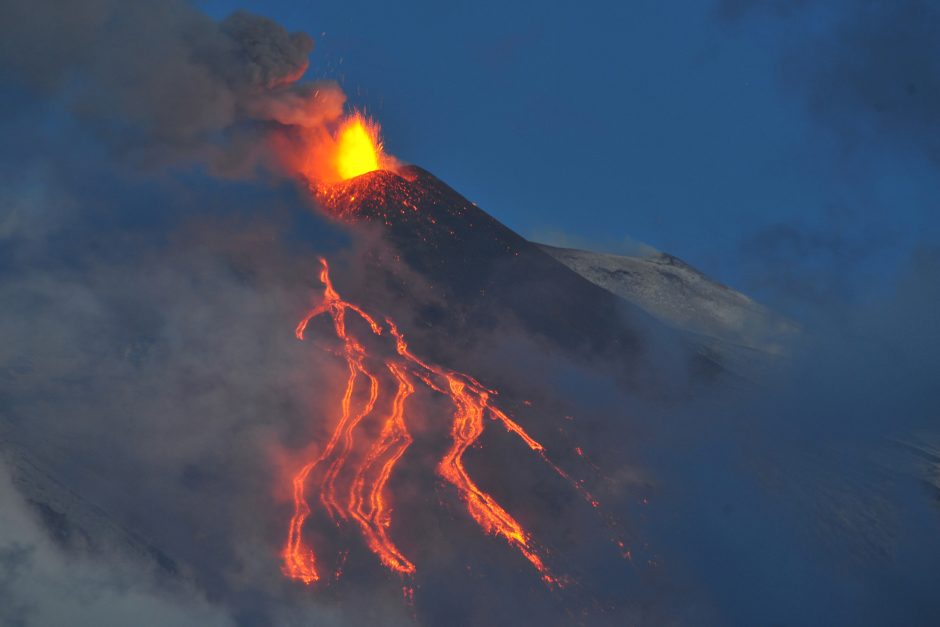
161, 82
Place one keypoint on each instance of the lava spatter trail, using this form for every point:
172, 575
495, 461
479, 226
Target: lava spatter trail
366, 502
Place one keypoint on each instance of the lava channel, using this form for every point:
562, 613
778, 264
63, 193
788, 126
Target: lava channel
366, 503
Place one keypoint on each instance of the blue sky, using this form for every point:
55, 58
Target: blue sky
690, 127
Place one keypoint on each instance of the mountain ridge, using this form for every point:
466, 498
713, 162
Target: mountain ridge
685, 298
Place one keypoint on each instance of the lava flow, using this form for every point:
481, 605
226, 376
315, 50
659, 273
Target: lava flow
366, 502
330, 167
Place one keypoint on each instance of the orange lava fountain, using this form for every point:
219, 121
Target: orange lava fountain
366, 502
358, 148
351, 148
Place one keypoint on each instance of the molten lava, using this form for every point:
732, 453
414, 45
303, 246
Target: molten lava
357, 147
328, 156
365, 503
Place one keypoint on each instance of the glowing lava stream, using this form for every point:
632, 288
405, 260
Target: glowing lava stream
366, 503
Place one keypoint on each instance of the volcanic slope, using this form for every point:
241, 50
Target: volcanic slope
483, 273
743, 332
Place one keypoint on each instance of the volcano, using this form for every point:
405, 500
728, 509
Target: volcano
464, 276
463, 493
483, 273
256, 371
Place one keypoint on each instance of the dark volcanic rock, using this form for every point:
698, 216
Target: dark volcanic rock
484, 271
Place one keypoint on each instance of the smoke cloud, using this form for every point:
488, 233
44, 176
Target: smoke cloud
160, 82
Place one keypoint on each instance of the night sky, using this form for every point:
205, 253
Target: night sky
711, 130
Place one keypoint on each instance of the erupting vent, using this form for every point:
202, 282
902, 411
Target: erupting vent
350, 148
357, 147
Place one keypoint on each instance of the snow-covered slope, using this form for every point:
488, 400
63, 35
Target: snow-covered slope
683, 297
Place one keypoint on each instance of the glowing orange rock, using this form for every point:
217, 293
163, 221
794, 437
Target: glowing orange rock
366, 502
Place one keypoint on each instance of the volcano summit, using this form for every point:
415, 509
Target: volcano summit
485, 272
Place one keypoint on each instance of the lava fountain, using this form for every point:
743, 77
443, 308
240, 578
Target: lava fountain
350, 147
358, 148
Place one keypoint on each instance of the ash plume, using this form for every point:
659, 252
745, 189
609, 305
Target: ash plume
161, 82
